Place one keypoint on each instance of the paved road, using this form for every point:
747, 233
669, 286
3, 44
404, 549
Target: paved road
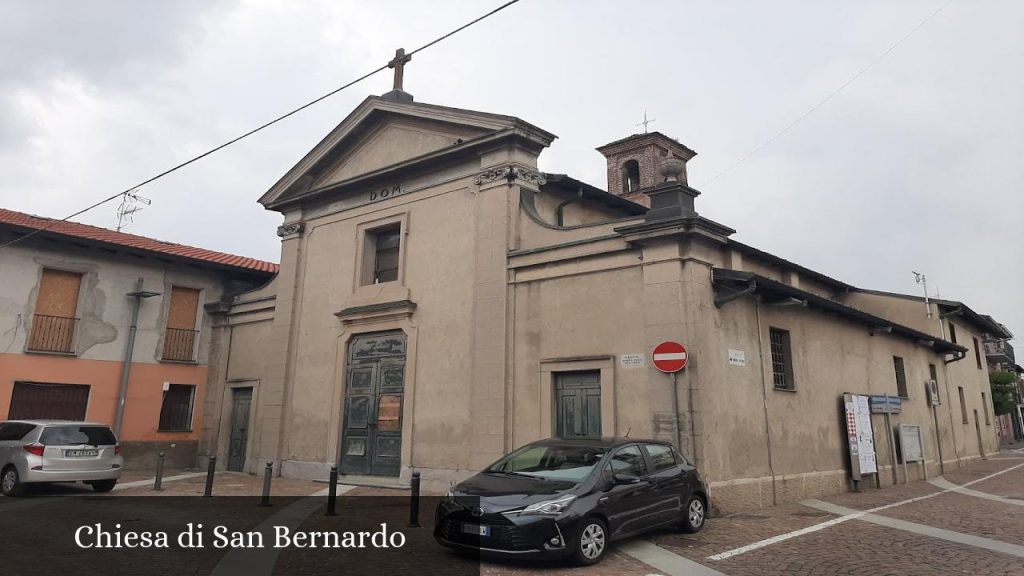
969, 522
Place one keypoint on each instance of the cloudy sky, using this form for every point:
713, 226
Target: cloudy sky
916, 165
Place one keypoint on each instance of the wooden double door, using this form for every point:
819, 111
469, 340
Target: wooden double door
578, 404
374, 396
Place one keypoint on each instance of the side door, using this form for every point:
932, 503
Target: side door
627, 500
668, 481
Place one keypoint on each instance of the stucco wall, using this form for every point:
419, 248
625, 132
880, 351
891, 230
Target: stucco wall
104, 314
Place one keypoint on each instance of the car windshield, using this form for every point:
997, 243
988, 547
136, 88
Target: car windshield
74, 435
567, 463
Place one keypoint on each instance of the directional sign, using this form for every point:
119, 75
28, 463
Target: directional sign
669, 357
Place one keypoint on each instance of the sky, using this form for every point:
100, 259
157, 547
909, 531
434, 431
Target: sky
914, 166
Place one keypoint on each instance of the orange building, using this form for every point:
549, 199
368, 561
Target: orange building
88, 315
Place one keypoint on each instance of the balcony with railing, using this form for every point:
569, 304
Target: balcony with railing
999, 352
52, 334
179, 345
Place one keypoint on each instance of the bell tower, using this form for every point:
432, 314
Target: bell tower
634, 163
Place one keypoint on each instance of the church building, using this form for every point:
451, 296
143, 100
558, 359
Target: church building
441, 301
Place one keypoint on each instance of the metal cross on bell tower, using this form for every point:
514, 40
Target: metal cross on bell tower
399, 65
645, 122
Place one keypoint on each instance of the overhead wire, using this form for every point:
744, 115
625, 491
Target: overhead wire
51, 223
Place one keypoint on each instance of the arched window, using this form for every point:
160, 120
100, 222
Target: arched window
630, 176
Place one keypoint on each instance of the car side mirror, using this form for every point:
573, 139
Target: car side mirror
625, 479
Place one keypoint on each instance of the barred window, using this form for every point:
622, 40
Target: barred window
782, 359
901, 376
176, 411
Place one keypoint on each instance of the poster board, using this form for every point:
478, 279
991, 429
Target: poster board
860, 435
911, 443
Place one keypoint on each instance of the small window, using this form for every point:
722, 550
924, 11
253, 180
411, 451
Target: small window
176, 411
977, 352
629, 462
984, 408
952, 332
963, 404
901, 376
384, 244
661, 457
782, 359
630, 176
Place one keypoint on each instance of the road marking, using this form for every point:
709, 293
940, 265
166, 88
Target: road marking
947, 485
821, 526
149, 481
915, 528
261, 561
667, 562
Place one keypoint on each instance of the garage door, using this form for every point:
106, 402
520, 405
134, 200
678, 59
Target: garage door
32, 400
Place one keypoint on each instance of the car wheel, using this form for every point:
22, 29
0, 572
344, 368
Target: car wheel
695, 514
10, 484
104, 485
592, 542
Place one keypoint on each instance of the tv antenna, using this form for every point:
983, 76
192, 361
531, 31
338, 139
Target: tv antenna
923, 281
131, 202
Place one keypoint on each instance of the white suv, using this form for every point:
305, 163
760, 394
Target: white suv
37, 451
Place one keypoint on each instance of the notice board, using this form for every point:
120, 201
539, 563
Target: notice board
859, 435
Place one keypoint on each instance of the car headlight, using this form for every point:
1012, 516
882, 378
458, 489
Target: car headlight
551, 507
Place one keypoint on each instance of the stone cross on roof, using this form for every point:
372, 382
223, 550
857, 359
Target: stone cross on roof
399, 65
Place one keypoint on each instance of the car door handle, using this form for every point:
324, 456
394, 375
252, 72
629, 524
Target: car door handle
602, 500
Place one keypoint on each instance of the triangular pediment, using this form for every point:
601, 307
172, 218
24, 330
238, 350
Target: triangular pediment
382, 133
393, 140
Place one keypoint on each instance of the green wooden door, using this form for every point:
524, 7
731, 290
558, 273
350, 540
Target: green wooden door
578, 404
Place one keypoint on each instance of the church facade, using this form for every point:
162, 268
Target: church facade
441, 301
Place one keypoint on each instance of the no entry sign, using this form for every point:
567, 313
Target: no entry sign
669, 357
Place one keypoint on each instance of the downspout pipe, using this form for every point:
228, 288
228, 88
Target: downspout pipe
559, 216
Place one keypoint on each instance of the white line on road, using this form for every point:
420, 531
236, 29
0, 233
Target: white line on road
261, 561
664, 560
947, 485
149, 481
915, 528
821, 526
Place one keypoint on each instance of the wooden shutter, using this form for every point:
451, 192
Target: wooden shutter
180, 336
53, 327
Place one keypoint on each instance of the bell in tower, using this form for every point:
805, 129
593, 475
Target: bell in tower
634, 163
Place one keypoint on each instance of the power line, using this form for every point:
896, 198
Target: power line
133, 188
832, 94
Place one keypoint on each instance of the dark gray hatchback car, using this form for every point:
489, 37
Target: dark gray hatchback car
570, 498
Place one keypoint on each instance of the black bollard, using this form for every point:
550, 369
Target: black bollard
332, 493
158, 480
268, 472
209, 477
414, 502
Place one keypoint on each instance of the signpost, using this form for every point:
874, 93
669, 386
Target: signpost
859, 436
670, 357
886, 405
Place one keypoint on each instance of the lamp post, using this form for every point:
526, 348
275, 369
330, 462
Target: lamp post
138, 295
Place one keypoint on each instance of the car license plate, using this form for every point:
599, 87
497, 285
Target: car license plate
476, 529
80, 453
